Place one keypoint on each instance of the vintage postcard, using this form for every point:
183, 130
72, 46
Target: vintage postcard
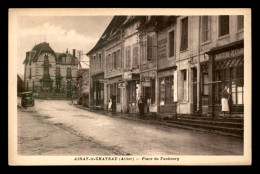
129, 86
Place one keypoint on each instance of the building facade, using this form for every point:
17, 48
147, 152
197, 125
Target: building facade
50, 74
83, 87
179, 64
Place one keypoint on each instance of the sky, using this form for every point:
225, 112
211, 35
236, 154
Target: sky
61, 32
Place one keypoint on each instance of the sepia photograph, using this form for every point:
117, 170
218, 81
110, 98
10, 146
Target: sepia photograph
129, 86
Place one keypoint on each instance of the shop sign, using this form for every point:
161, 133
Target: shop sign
146, 79
162, 48
231, 53
102, 80
127, 75
146, 84
121, 85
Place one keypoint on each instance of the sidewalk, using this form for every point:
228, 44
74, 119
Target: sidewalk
134, 117
209, 125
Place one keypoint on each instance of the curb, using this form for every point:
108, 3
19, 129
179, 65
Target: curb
161, 123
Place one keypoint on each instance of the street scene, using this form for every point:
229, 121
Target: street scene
131, 85
55, 131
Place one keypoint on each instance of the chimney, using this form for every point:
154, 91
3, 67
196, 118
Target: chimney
74, 54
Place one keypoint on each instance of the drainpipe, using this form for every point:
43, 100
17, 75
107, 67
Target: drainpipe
199, 82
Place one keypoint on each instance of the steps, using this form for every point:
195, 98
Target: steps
227, 126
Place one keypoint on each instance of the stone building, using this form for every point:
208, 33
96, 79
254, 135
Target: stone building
106, 66
222, 43
179, 64
50, 74
83, 87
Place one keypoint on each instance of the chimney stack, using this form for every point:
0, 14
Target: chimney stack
74, 53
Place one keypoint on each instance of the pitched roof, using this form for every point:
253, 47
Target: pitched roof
42, 47
111, 30
60, 55
37, 49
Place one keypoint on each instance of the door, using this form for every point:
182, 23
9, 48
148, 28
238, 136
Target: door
194, 87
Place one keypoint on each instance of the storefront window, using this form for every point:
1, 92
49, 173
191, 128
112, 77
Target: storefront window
152, 91
118, 94
149, 92
234, 79
237, 85
132, 94
166, 90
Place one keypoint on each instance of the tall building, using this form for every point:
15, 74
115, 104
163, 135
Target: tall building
179, 64
50, 74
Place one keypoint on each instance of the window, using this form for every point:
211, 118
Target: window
184, 84
184, 34
171, 43
151, 47
240, 22
127, 57
223, 25
135, 56
100, 61
149, 91
109, 62
118, 57
46, 66
118, 94
205, 85
152, 91
237, 85
234, 79
132, 92
143, 48
58, 72
205, 28
114, 60
166, 90
30, 76
68, 75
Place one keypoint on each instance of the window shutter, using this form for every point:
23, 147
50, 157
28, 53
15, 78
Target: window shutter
187, 86
175, 90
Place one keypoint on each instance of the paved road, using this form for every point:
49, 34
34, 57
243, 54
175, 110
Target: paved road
78, 128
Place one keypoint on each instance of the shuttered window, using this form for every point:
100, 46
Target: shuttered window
128, 57
205, 28
184, 34
135, 56
151, 47
171, 43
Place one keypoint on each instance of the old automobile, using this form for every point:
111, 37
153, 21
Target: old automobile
27, 99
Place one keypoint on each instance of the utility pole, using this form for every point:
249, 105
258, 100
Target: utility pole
80, 56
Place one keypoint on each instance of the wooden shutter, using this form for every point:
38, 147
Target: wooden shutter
175, 90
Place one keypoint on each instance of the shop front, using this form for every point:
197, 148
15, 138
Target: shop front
133, 91
97, 91
148, 90
167, 104
226, 68
114, 87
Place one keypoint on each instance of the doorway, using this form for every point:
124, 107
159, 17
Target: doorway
194, 89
